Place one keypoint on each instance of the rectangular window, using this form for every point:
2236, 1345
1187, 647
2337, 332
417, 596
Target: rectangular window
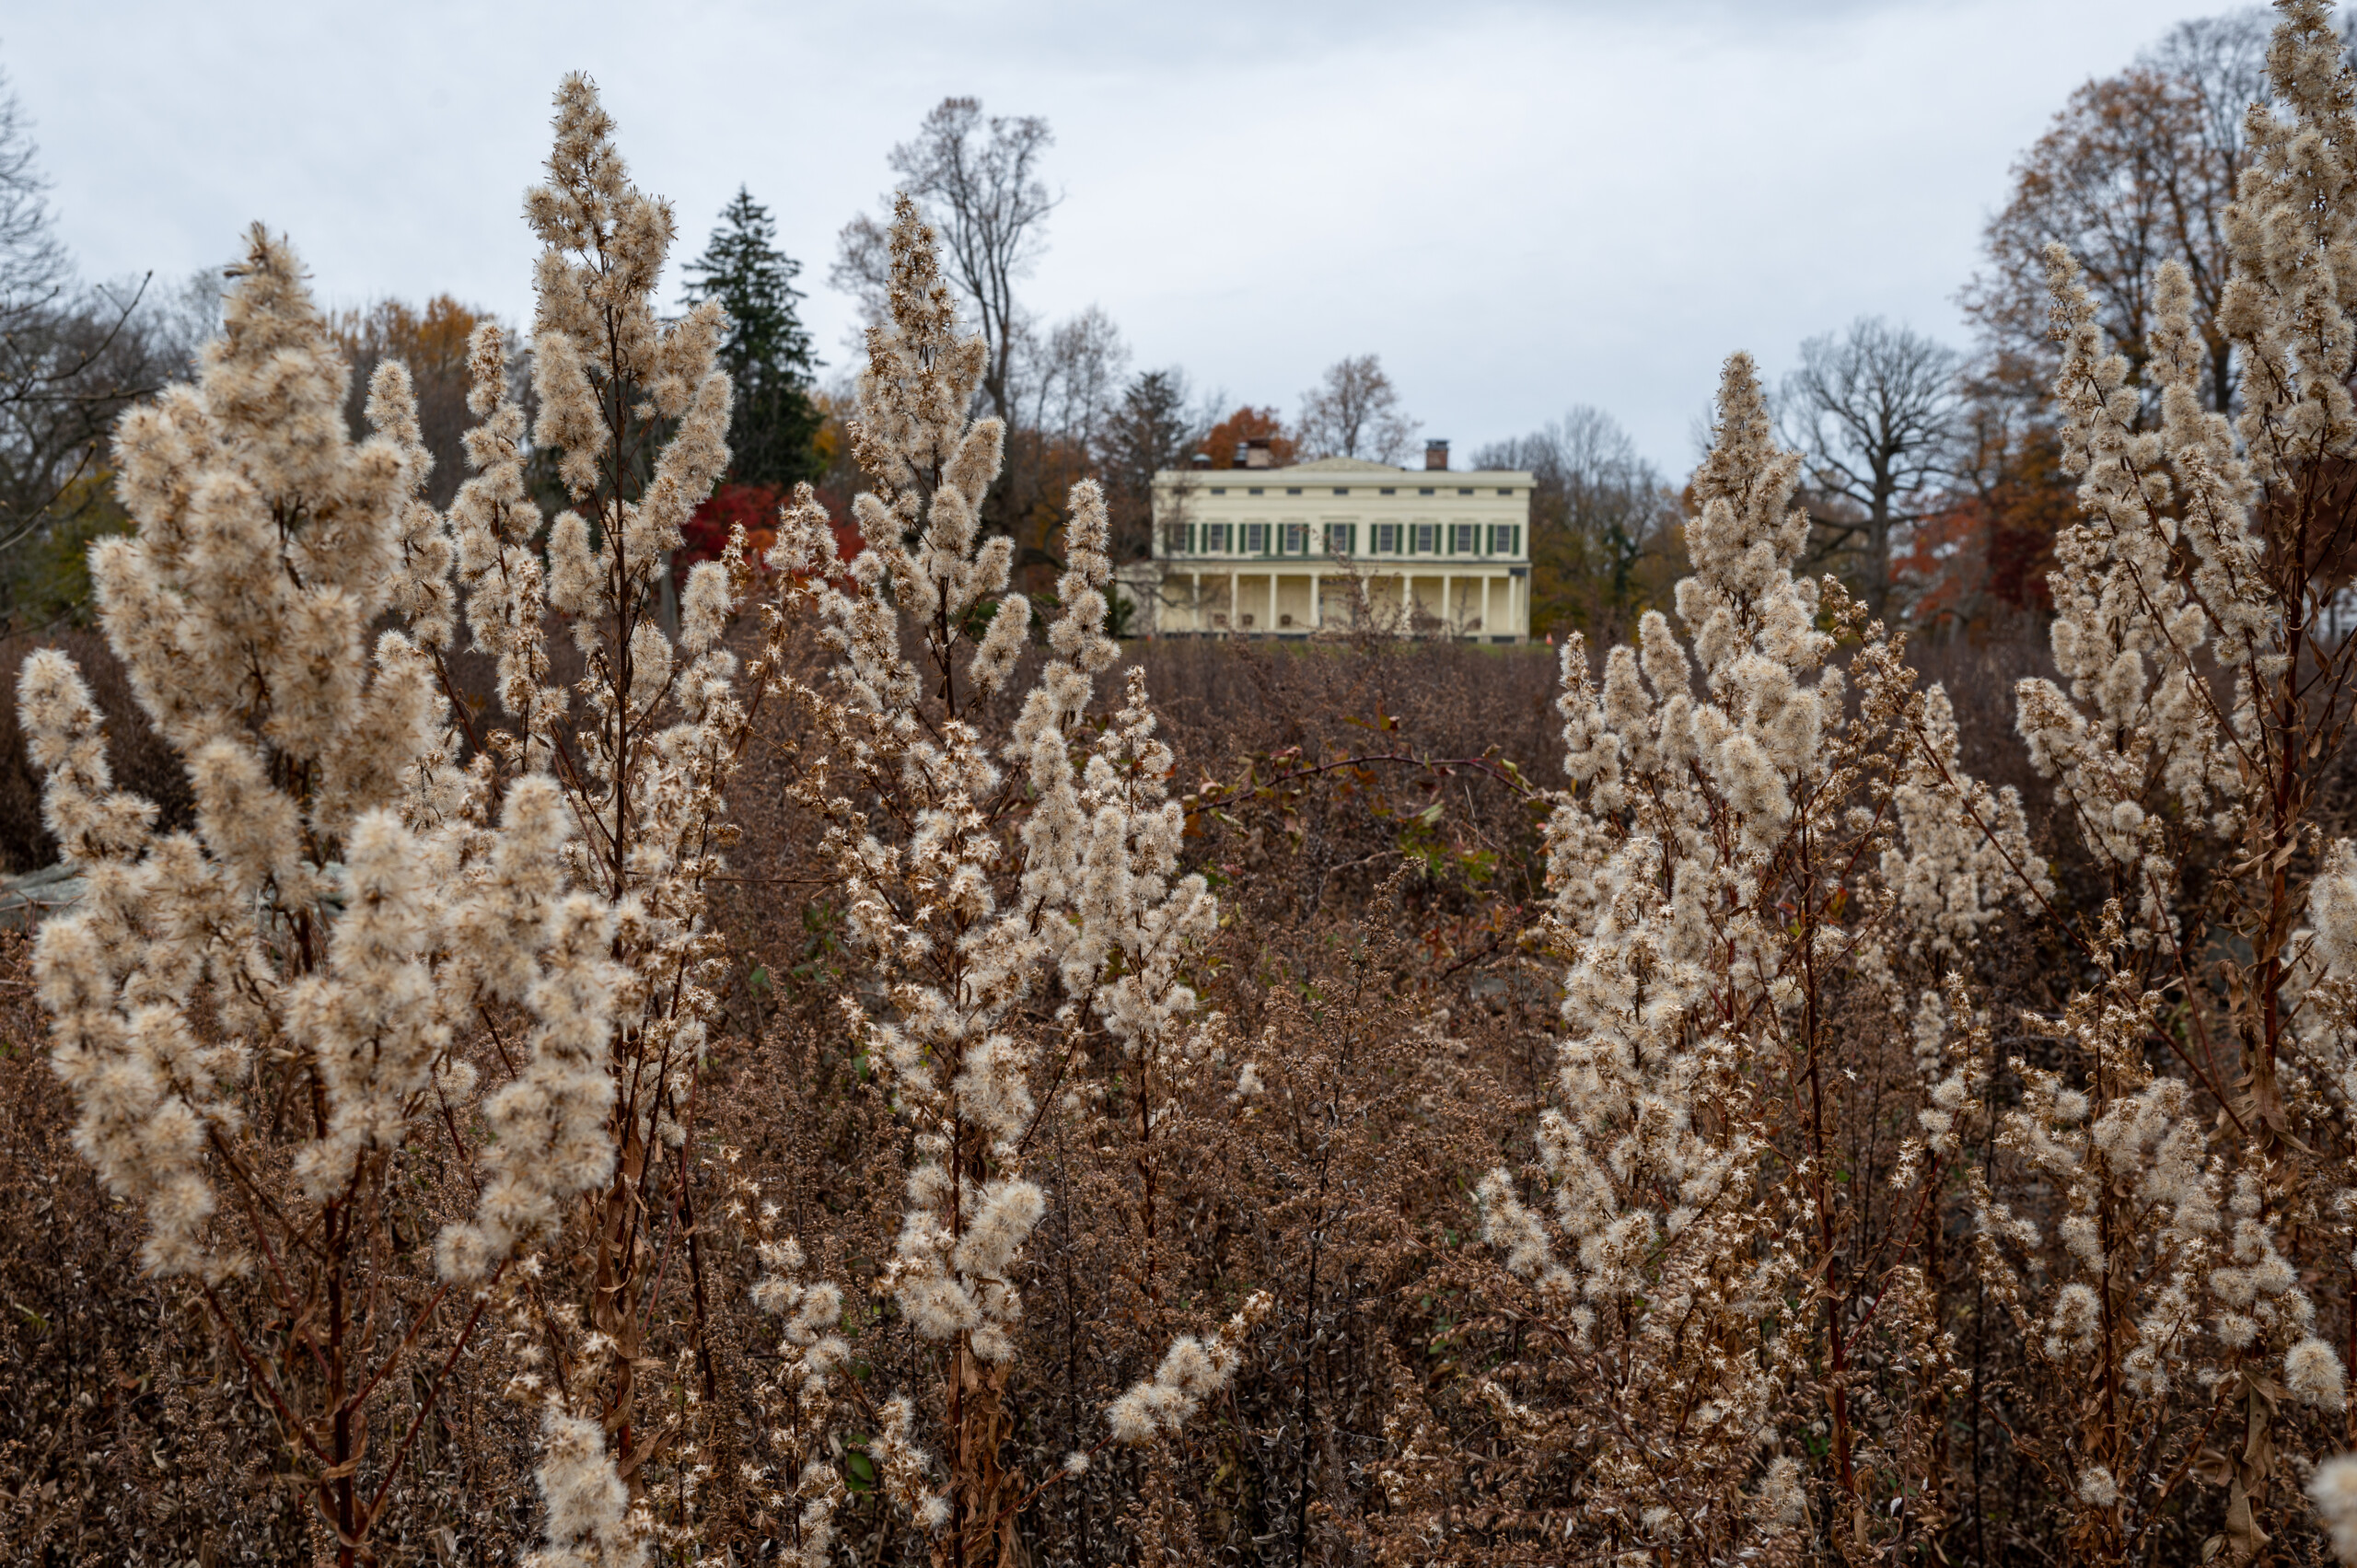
1427, 538
1464, 539
1342, 492
1254, 491
1177, 538
1219, 490
1507, 492
1342, 539
1387, 538
1466, 491
1215, 539
1386, 489
1503, 540
1293, 490
1256, 539
1296, 539
1427, 489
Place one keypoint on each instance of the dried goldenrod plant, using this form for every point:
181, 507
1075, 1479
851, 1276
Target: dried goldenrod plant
1744, 871
269, 1022
2196, 1141
1013, 889
259, 1019
1727, 1157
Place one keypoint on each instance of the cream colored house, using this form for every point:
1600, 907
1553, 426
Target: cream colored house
1290, 552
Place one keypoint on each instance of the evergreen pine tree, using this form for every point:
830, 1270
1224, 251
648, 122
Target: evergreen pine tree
767, 354
1151, 430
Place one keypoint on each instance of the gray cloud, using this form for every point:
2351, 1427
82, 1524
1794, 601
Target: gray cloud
1519, 206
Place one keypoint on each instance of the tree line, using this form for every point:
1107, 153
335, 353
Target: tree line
1930, 474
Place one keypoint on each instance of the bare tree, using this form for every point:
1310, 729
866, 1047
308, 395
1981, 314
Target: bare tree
1355, 413
71, 356
1874, 412
33, 265
2136, 170
1063, 385
977, 180
1066, 384
66, 369
1598, 511
2224, 59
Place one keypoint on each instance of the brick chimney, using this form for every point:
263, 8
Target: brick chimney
1255, 454
1436, 454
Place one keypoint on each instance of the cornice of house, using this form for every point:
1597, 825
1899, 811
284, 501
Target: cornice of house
1330, 468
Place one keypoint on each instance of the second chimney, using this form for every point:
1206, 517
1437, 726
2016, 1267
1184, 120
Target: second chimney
1254, 454
1436, 454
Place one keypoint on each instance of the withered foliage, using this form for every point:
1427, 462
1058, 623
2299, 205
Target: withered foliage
971, 1093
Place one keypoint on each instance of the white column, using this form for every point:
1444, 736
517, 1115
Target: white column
1273, 599
1195, 601
1486, 628
1317, 605
1448, 603
1235, 603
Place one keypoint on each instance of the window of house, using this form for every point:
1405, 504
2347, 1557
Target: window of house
1216, 536
1256, 539
1293, 490
1426, 539
1427, 489
1503, 539
1386, 489
1340, 492
1507, 491
1254, 491
1219, 490
1466, 491
1464, 539
1177, 538
1387, 538
1342, 539
1296, 539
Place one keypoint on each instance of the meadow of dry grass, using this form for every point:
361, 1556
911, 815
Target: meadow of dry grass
1369, 814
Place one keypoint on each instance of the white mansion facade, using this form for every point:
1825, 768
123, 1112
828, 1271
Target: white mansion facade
1288, 551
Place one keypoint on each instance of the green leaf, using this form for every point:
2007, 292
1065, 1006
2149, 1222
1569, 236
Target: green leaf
859, 1469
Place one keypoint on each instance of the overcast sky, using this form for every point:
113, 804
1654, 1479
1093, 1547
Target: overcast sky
1519, 206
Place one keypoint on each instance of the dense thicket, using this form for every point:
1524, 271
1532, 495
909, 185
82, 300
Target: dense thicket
550, 1052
